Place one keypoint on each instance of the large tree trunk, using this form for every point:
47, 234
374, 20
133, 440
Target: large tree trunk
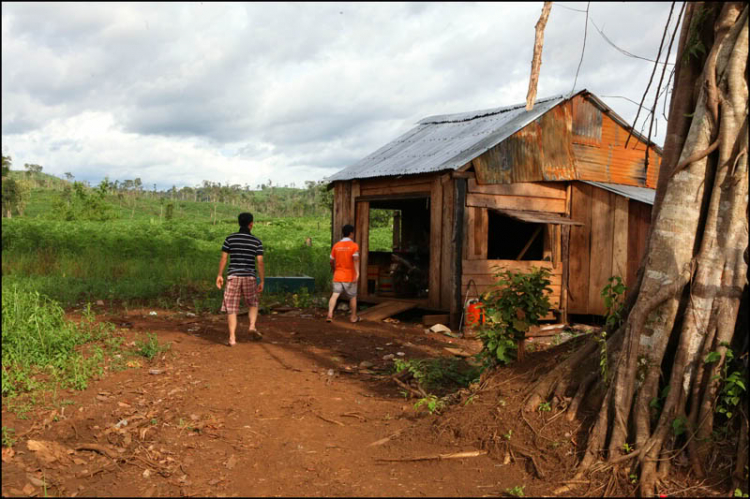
694, 272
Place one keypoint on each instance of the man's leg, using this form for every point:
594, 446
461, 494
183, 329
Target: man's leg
232, 320
253, 315
332, 304
353, 307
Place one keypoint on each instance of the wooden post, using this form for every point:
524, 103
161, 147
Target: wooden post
436, 230
457, 243
362, 232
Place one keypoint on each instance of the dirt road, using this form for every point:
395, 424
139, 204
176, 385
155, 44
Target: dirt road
295, 414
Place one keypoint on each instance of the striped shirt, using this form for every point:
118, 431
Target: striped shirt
242, 247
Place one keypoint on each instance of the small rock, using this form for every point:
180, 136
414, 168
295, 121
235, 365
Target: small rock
390, 356
152, 313
190, 314
155, 371
35, 481
146, 473
400, 354
365, 364
99, 302
121, 423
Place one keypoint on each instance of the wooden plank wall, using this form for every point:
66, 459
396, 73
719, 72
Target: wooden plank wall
639, 221
580, 237
482, 272
611, 242
532, 196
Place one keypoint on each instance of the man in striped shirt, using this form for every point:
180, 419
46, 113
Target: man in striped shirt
242, 249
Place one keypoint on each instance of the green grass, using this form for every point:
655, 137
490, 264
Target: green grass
39, 344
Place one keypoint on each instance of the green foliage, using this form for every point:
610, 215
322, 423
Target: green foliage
679, 426
8, 437
738, 493
733, 377
516, 491
434, 404
614, 297
544, 407
151, 347
7, 162
439, 373
603, 356
15, 194
516, 302
37, 338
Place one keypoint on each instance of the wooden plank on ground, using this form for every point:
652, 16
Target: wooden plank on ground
431, 320
386, 309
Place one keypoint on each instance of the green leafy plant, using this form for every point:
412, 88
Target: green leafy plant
516, 491
515, 303
433, 403
438, 373
733, 376
603, 356
679, 426
614, 297
508, 435
8, 437
544, 407
151, 347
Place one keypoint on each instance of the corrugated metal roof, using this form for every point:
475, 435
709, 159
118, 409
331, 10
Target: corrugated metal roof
642, 194
446, 142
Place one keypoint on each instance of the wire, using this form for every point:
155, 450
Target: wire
583, 50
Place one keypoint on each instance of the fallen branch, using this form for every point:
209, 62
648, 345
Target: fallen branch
354, 415
332, 421
436, 457
101, 449
389, 437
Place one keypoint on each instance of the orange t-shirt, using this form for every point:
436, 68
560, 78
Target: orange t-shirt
343, 253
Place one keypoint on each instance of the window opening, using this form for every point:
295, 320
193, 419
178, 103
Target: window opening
511, 239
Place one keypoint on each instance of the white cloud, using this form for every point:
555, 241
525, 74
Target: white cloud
177, 93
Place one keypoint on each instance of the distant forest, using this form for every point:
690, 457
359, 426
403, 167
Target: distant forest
314, 199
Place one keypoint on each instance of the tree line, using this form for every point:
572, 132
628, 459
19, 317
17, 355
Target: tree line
314, 199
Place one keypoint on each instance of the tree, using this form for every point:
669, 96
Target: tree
669, 361
6, 165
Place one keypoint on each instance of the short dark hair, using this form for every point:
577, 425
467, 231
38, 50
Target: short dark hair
245, 219
347, 229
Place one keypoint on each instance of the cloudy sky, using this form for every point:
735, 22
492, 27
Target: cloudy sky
178, 93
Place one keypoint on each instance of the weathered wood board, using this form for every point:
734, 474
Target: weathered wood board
386, 309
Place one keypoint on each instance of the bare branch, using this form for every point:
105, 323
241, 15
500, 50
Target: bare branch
536, 60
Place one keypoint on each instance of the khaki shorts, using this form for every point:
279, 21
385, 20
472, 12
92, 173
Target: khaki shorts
346, 289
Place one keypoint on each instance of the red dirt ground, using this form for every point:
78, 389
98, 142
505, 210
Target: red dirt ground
291, 415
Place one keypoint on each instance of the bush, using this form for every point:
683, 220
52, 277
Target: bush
516, 302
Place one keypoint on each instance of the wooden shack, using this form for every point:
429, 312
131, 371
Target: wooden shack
553, 187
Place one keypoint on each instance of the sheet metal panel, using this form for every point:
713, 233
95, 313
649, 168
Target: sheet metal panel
642, 194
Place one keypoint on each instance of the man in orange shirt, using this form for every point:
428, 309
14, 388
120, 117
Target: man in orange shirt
345, 267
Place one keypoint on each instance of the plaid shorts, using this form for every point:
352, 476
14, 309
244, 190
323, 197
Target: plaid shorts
239, 286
